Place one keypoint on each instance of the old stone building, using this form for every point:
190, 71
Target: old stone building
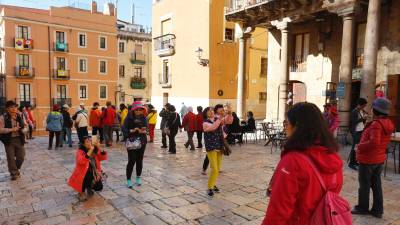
321, 51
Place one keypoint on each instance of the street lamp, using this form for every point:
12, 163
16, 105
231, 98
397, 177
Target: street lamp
203, 62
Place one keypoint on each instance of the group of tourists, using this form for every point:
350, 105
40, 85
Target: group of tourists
308, 177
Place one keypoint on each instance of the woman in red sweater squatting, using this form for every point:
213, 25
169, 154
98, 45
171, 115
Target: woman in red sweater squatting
87, 172
371, 154
295, 189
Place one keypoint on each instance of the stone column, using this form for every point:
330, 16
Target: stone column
346, 63
240, 84
282, 25
368, 79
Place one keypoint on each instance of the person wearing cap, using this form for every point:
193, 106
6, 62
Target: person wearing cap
12, 134
164, 114
67, 126
358, 118
54, 126
108, 118
87, 175
135, 128
371, 155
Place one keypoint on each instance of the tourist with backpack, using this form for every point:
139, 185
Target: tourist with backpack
371, 155
308, 174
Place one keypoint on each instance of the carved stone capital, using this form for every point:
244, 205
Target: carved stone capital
281, 24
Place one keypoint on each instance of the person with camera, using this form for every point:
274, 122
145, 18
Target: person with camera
87, 175
358, 118
12, 134
135, 129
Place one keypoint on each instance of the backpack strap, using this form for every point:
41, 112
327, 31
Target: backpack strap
317, 173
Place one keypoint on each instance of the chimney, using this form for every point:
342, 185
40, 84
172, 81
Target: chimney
109, 9
94, 7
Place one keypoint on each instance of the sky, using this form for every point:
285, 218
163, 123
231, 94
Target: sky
142, 15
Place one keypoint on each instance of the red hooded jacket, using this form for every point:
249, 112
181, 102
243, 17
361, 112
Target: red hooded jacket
189, 122
296, 190
81, 168
374, 141
199, 122
108, 116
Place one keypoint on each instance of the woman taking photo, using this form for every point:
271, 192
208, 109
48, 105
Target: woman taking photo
213, 137
135, 126
87, 172
295, 189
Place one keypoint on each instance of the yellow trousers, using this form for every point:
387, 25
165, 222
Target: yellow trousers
215, 158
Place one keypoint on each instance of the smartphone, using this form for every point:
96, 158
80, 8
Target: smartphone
95, 140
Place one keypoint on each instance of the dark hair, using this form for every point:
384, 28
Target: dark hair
122, 106
150, 106
234, 115
10, 103
108, 103
205, 117
96, 104
362, 101
250, 114
218, 106
171, 108
199, 109
377, 113
310, 129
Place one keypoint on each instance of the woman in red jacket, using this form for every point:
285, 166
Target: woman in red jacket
189, 122
295, 189
371, 154
87, 172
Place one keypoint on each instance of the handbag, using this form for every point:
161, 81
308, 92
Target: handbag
133, 143
226, 149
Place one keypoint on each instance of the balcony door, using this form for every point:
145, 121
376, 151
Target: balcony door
165, 71
23, 32
23, 60
24, 94
166, 27
60, 63
62, 91
60, 37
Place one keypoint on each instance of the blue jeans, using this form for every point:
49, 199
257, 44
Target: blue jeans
66, 131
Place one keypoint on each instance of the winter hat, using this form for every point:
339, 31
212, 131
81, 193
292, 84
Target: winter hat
382, 105
56, 107
137, 105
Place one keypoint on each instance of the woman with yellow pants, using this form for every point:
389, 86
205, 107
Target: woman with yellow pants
213, 137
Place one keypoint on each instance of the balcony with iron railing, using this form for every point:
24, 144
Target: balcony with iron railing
298, 64
24, 72
138, 83
60, 47
165, 45
165, 80
239, 5
25, 102
138, 58
59, 74
23, 44
61, 101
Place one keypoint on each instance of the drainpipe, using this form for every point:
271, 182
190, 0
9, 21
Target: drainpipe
49, 45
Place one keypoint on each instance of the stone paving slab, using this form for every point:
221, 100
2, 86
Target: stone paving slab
173, 190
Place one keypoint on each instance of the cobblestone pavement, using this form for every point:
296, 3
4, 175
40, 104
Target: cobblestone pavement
173, 190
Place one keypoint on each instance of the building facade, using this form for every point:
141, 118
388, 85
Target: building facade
134, 63
195, 58
326, 51
60, 56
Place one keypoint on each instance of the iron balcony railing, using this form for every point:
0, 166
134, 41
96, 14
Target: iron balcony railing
238, 5
24, 72
62, 101
138, 83
60, 47
298, 64
165, 45
59, 74
25, 102
138, 58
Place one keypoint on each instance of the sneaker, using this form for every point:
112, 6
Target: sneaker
129, 183
210, 193
138, 181
215, 189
